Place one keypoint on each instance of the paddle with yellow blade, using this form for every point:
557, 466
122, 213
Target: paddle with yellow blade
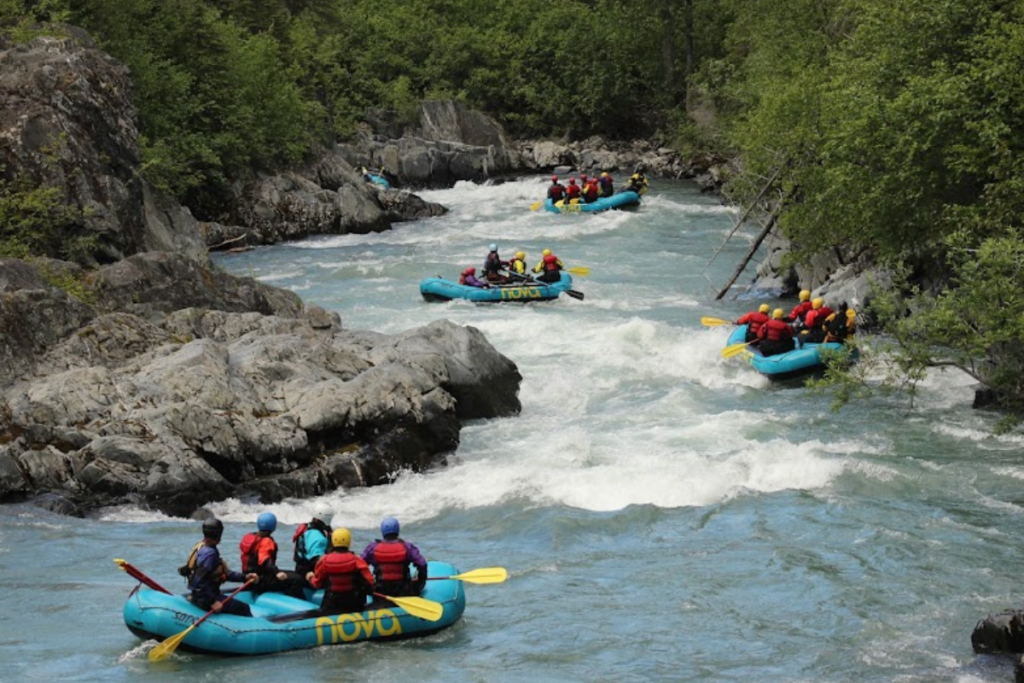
579, 270
735, 349
417, 607
485, 575
536, 205
165, 649
708, 321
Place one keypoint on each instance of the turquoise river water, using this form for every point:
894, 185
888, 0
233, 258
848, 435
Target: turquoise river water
664, 514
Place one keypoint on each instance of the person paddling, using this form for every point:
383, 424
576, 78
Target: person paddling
549, 267
556, 191
205, 572
776, 335
259, 556
344, 576
800, 311
391, 559
518, 264
310, 541
572, 192
754, 320
469, 278
493, 266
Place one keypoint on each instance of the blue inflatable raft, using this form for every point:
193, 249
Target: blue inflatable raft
281, 623
801, 361
619, 200
376, 179
440, 289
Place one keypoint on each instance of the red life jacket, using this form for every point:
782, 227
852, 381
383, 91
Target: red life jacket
550, 262
340, 568
590, 191
755, 319
299, 542
556, 192
799, 311
776, 330
573, 191
392, 560
250, 547
817, 316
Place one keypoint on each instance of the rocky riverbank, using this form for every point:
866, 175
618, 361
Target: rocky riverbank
164, 383
144, 375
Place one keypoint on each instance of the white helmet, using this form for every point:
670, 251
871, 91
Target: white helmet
322, 515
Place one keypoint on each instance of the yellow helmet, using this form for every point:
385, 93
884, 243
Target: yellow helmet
764, 308
850, 313
805, 294
546, 252
341, 538
520, 255
817, 303
777, 314
604, 174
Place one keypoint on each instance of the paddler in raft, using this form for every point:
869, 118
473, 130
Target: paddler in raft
754, 320
549, 267
556, 191
205, 572
493, 265
572, 192
259, 555
638, 181
517, 266
391, 559
469, 278
776, 335
344, 576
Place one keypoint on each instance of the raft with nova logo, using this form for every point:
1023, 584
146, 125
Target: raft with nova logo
440, 289
281, 623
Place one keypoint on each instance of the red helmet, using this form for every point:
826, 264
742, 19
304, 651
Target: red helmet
583, 177
572, 181
469, 271
554, 179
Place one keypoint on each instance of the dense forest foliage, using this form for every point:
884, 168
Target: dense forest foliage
891, 126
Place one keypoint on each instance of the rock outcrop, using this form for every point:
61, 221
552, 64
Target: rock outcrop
451, 143
598, 154
134, 399
67, 122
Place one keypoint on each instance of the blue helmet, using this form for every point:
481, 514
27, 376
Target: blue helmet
494, 247
266, 521
389, 526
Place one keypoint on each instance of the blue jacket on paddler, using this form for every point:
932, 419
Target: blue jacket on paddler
311, 541
205, 571
209, 573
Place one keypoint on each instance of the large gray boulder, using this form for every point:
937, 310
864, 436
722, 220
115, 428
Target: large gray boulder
450, 143
137, 399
